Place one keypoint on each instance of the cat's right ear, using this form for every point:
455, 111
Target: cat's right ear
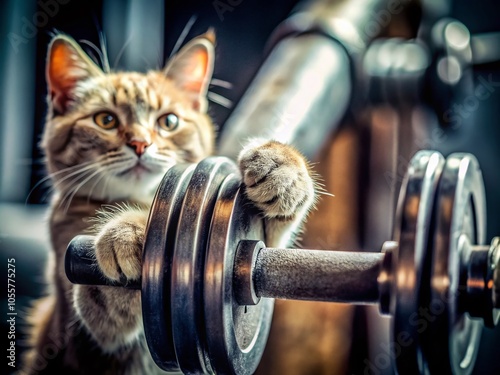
67, 64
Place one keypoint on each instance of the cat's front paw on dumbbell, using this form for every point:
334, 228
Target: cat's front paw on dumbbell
119, 243
277, 179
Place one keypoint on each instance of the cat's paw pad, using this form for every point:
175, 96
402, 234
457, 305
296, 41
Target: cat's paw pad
118, 246
277, 179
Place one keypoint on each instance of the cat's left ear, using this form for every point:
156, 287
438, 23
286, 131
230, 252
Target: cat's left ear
192, 67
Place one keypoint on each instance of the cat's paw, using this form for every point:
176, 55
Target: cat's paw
118, 246
277, 179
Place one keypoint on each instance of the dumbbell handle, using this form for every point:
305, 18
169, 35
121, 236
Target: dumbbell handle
298, 274
318, 275
81, 266
315, 275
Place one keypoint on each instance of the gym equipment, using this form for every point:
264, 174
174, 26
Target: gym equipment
208, 281
207, 307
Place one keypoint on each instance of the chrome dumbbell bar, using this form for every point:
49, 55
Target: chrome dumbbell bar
208, 282
317, 275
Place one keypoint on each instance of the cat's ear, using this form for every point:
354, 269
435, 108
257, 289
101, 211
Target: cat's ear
67, 64
192, 67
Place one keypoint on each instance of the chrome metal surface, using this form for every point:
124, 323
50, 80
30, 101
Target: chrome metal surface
244, 265
411, 259
236, 335
156, 265
353, 23
298, 96
480, 283
477, 266
188, 263
494, 261
80, 267
385, 278
303, 88
452, 337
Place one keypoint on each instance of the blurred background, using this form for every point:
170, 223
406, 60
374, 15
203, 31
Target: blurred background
141, 35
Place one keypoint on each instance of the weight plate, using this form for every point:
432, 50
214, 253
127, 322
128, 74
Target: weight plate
411, 259
188, 264
453, 337
156, 269
236, 335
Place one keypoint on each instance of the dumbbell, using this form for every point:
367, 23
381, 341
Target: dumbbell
208, 282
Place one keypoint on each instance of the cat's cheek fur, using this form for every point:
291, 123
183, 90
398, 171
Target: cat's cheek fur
111, 315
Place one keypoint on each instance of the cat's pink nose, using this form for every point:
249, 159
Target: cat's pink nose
138, 146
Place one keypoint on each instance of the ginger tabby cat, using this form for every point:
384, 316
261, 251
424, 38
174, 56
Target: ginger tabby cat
109, 139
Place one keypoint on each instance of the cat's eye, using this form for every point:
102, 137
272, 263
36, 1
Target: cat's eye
106, 120
168, 122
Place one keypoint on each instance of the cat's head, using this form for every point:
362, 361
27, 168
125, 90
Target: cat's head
113, 135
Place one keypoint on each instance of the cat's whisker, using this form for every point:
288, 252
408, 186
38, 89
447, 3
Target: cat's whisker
81, 174
89, 195
183, 34
122, 51
77, 172
161, 166
72, 184
221, 83
160, 159
108, 171
147, 63
65, 170
98, 159
104, 49
167, 153
45, 197
219, 99
50, 190
92, 52
87, 179
109, 158
43, 180
76, 175
105, 186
